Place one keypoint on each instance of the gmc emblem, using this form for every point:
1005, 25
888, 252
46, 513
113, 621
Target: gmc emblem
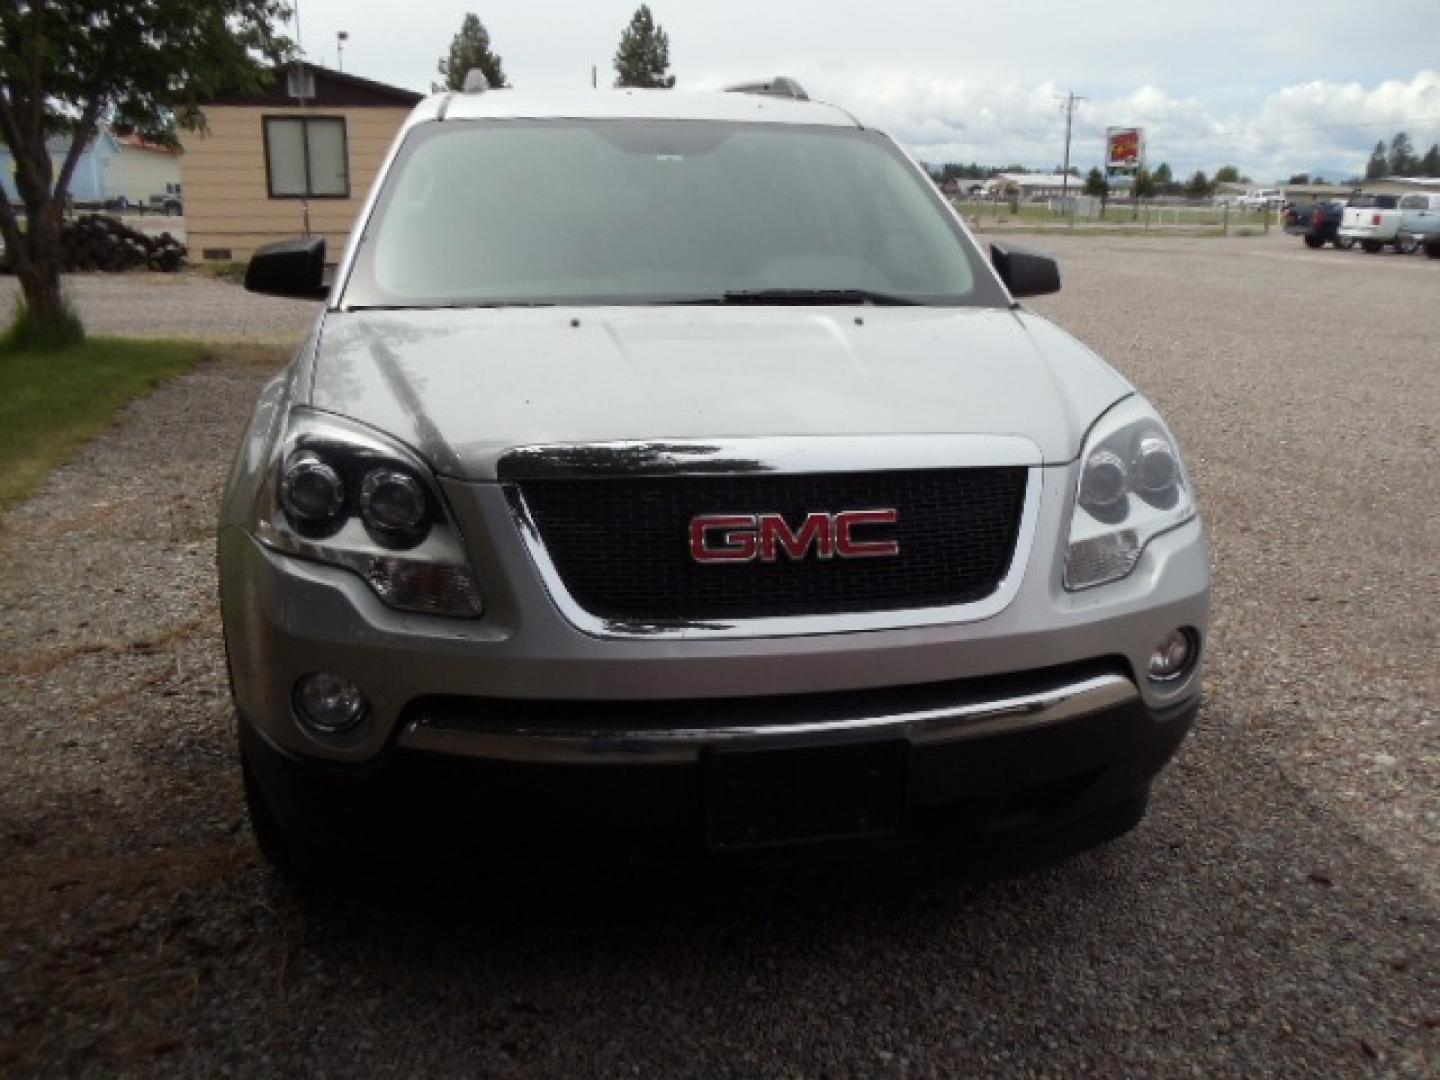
741, 538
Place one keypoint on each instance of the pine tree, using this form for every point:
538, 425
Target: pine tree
1199, 186
1402, 155
1378, 164
470, 48
1430, 163
643, 58
1164, 178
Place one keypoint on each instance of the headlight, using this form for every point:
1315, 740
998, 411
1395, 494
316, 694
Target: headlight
342, 494
1132, 487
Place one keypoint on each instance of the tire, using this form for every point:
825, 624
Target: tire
294, 856
270, 838
1407, 247
1373, 247
1432, 249
1313, 241
1344, 243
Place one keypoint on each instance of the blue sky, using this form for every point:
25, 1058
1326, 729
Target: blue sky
1273, 87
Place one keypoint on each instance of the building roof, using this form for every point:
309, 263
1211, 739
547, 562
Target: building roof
135, 141
1044, 180
337, 89
614, 104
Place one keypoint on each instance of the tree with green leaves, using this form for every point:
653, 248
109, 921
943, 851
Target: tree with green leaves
1227, 174
141, 66
1144, 184
1164, 179
1199, 186
1402, 155
1379, 164
1430, 163
643, 58
1097, 186
469, 48
1299, 178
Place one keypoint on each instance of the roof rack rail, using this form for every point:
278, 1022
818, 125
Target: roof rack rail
780, 86
475, 82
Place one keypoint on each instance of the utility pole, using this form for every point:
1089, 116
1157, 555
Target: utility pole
341, 36
1070, 99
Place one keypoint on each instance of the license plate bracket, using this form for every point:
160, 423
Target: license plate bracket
768, 797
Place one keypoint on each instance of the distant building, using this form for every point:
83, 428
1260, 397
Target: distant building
1032, 185
266, 155
89, 183
142, 169
110, 167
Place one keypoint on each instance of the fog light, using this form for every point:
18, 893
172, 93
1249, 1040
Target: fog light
328, 703
1172, 657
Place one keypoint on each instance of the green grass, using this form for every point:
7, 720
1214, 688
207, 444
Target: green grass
51, 403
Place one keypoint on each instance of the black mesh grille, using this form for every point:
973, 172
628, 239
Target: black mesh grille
622, 545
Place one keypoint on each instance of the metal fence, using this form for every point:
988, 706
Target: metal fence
1193, 218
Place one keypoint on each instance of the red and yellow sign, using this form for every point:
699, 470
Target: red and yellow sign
1124, 147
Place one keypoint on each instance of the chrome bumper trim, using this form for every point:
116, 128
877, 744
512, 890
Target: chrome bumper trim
679, 745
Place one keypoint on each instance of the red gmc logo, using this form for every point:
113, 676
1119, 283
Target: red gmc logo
740, 538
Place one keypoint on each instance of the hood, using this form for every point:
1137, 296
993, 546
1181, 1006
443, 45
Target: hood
464, 386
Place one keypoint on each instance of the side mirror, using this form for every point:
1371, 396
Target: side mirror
1025, 272
294, 268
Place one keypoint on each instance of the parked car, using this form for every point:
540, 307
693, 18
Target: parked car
1372, 221
171, 204
1318, 223
735, 503
1420, 223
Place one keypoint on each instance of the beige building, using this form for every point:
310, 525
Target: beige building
265, 161
142, 169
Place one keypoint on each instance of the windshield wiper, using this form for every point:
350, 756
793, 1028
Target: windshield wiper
818, 296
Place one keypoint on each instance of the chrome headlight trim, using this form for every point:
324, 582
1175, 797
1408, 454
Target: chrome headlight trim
1106, 538
429, 575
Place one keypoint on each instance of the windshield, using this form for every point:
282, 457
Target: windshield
644, 211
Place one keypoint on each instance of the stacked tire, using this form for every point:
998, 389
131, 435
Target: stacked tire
98, 242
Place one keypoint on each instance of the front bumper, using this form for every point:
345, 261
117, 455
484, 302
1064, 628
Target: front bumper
1022, 792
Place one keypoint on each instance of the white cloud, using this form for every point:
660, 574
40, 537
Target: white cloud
1314, 125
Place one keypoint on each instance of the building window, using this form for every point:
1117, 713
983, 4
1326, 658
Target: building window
307, 157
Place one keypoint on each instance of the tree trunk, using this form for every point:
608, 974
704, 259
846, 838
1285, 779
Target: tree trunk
36, 258
36, 261
40, 284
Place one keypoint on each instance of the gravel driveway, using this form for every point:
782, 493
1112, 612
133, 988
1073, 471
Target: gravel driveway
1278, 913
188, 305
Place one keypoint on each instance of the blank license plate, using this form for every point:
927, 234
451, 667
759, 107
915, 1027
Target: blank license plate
755, 798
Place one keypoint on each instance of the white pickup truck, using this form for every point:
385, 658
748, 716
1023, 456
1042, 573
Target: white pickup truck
1420, 223
1372, 221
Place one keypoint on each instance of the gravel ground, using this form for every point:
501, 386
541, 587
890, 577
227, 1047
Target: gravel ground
1278, 913
186, 305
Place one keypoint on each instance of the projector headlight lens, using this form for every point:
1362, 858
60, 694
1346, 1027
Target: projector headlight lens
1132, 487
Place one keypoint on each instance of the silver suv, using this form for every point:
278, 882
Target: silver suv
676, 469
